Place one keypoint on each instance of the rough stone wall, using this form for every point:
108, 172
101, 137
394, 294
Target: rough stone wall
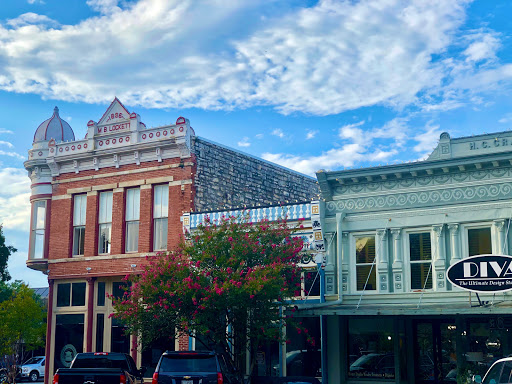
227, 178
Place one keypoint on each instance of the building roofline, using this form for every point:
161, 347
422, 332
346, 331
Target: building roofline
255, 158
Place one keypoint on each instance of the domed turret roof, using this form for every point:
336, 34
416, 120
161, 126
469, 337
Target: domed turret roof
54, 128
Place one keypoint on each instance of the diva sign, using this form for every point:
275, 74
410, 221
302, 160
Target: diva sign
482, 273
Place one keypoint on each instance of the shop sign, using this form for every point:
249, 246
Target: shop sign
482, 273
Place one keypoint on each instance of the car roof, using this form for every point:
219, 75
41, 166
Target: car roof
188, 353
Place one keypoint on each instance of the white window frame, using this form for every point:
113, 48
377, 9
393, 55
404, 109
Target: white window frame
479, 225
407, 256
82, 220
105, 220
353, 270
37, 231
163, 215
132, 220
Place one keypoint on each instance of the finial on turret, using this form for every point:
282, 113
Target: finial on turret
56, 111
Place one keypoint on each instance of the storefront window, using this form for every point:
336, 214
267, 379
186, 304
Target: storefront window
371, 352
365, 268
302, 357
71, 294
100, 328
101, 294
69, 339
311, 283
151, 355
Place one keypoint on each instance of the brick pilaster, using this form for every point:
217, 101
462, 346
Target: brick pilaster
146, 218
91, 225
118, 215
61, 233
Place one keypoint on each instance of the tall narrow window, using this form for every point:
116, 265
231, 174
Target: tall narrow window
479, 241
105, 222
38, 228
160, 213
79, 207
420, 251
132, 219
365, 268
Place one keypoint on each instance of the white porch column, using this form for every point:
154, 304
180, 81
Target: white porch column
439, 263
330, 279
455, 251
381, 249
398, 264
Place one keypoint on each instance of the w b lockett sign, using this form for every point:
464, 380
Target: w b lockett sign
482, 273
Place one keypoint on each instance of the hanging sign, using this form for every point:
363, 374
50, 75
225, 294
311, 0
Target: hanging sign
482, 273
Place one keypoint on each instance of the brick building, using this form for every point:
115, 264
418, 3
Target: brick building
101, 204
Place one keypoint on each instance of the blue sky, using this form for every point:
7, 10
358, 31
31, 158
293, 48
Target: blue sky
307, 84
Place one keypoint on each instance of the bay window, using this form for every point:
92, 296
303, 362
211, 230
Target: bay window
132, 219
160, 214
38, 229
105, 222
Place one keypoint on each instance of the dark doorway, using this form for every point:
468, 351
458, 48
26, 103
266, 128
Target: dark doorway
435, 359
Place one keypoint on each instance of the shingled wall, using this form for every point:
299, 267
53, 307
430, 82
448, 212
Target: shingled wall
227, 178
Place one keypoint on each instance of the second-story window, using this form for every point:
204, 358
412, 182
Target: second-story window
365, 268
479, 241
105, 222
160, 213
420, 252
38, 229
79, 213
132, 219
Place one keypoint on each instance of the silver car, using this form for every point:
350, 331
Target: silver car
33, 369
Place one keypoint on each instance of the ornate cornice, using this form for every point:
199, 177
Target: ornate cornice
423, 198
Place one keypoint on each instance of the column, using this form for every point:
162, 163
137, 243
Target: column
146, 219
118, 212
90, 313
439, 262
455, 252
500, 238
345, 262
49, 325
398, 264
330, 280
91, 225
382, 261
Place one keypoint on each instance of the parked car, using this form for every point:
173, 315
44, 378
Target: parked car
500, 372
33, 368
302, 363
100, 368
182, 367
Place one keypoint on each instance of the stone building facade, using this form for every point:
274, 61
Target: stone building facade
101, 204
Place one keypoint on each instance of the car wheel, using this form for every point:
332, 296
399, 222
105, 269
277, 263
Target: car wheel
34, 376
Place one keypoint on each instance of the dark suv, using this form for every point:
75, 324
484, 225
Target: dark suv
188, 368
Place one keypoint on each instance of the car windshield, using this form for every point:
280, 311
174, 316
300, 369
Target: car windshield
101, 362
366, 361
188, 363
33, 360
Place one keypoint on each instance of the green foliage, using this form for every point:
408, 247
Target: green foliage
22, 324
227, 285
5, 252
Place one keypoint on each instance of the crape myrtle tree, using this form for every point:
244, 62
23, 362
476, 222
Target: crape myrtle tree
228, 284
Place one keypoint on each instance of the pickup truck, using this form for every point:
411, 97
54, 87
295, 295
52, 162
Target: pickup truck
100, 368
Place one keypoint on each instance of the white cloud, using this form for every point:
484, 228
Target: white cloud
506, 119
9, 145
244, 142
12, 154
31, 18
3, 130
36, 2
278, 132
311, 135
259, 136
366, 53
483, 46
427, 140
14, 199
